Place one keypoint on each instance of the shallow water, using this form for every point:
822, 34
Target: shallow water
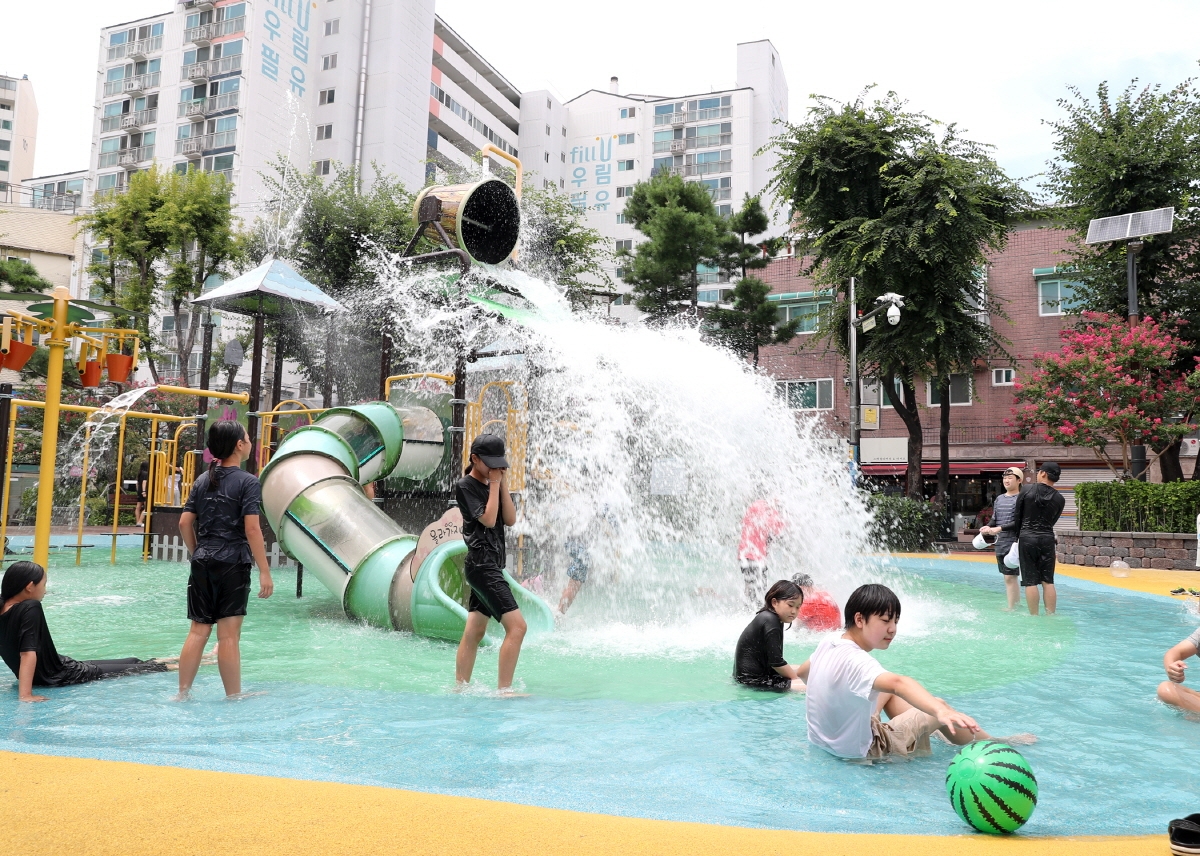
635, 719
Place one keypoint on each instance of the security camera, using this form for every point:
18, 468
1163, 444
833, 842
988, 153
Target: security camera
893, 314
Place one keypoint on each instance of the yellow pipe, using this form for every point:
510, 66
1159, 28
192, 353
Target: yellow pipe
83, 480
117, 492
80, 408
243, 397
488, 147
54, 370
8, 465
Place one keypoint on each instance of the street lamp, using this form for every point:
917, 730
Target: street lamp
890, 303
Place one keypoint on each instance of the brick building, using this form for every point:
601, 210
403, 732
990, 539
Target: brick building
1038, 298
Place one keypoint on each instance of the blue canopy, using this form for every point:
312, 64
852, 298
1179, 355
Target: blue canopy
268, 289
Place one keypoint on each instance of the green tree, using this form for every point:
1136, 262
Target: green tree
1135, 152
19, 275
558, 246
905, 205
683, 231
750, 220
752, 321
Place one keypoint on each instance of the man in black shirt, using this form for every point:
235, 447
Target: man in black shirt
1036, 512
487, 507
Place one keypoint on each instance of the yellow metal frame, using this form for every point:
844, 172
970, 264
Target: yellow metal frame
516, 428
267, 423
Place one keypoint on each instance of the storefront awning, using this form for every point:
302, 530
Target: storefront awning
957, 468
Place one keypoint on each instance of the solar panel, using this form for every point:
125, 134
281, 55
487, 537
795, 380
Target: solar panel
1126, 226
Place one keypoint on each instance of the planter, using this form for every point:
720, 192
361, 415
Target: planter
18, 355
1165, 551
90, 376
119, 366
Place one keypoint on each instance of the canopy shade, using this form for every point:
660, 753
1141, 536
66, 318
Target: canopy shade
268, 289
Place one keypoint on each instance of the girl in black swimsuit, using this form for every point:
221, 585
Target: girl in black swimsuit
759, 659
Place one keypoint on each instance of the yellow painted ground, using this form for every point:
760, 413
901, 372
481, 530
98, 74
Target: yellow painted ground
61, 806
1139, 579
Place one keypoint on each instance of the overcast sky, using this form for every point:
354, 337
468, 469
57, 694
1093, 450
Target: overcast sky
995, 69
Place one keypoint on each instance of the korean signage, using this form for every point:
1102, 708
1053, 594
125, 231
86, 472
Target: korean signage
592, 166
287, 42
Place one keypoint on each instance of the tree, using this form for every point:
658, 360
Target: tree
1111, 384
557, 246
750, 220
19, 275
907, 206
683, 231
1136, 152
752, 322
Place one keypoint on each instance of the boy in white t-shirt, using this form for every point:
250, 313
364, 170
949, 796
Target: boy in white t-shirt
848, 689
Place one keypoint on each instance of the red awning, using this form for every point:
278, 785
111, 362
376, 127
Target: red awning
957, 468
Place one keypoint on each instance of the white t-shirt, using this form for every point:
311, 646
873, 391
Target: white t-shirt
840, 698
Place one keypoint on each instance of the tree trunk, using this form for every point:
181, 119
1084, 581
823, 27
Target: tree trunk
908, 413
943, 487
1168, 463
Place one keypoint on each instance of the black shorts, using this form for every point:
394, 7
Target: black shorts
217, 590
1037, 560
490, 593
1005, 569
774, 683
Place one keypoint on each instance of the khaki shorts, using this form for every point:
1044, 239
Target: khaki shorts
907, 734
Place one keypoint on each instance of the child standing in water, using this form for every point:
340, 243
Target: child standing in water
487, 507
758, 661
221, 528
1003, 513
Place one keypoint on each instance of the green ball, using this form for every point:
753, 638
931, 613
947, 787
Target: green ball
991, 787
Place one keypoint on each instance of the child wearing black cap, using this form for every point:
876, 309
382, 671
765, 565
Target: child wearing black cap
1034, 516
487, 507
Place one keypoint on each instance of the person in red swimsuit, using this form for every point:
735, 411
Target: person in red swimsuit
820, 612
761, 523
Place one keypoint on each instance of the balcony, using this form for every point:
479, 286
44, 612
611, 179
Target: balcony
667, 170
205, 33
710, 113
31, 197
129, 121
709, 141
668, 146
135, 50
212, 68
197, 5
209, 106
132, 85
195, 146
130, 158
710, 168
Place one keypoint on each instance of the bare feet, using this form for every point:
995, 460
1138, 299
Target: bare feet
1023, 739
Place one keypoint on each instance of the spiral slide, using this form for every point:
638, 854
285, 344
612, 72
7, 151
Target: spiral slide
315, 504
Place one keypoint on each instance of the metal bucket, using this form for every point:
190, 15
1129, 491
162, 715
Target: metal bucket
482, 218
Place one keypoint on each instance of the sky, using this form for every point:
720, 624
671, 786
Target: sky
994, 69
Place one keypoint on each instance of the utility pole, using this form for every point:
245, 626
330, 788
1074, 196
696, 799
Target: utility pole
853, 347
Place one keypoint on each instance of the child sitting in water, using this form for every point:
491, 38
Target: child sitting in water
820, 612
848, 690
758, 661
27, 648
1172, 691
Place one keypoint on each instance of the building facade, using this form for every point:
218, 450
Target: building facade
1028, 278
18, 130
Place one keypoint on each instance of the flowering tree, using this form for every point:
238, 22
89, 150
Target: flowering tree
1110, 385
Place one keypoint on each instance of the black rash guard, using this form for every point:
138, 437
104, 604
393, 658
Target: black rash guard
759, 649
1038, 509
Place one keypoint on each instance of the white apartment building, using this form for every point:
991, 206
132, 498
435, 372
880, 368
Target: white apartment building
18, 130
598, 145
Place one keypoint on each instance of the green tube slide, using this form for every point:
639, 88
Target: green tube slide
315, 504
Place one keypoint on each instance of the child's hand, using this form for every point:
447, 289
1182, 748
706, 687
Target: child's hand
32, 698
951, 718
1175, 671
266, 586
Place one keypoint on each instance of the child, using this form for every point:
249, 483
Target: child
28, 649
848, 689
220, 526
1172, 691
760, 524
1003, 514
487, 507
758, 660
819, 612
1034, 516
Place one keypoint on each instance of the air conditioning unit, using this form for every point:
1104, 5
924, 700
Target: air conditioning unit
1190, 447
193, 147
128, 158
678, 145
197, 71
129, 120
133, 84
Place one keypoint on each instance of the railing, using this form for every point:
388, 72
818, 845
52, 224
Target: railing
208, 32
140, 83
667, 170
961, 434
693, 116
132, 157
139, 48
196, 145
668, 146
129, 120
670, 118
719, 193
211, 68
709, 140
106, 192
712, 278
32, 197
205, 106
708, 168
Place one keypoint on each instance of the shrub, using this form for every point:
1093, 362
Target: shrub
904, 525
1135, 506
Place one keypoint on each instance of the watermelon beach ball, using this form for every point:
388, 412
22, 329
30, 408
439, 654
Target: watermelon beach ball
991, 786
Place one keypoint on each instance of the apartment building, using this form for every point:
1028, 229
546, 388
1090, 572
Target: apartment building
18, 130
1030, 279
600, 144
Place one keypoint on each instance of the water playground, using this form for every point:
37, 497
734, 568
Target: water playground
648, 445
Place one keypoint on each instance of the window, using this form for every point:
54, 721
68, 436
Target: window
1057, 297
324, 132
328, 61
5, 145
807, 394
625, 165
548, 104
321, 167
332, 27
625, 139
808, 311
1002, 377
562, 156
564, 130
112, 144
5, 124
724, 210
230, 48
562, 182
872, 391
546, 156
625, 245
326, 96
547, 130
3, 166
623, 192
662, 164
620, 272
628, 112
960, 391
106, 182
621, 218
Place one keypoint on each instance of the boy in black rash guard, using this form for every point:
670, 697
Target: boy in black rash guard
1033, 522
758, 661
27, 648
487, 507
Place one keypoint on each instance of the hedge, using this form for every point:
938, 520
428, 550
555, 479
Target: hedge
1136, 506
904, 525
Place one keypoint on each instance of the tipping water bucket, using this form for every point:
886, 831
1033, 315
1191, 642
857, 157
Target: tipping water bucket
18, 355
482, 218
119, 366
90, 376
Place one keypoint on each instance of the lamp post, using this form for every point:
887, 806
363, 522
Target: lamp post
891, 304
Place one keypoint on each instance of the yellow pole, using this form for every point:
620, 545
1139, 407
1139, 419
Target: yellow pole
54, 369
8, 465
117, 492
243, 397
83, 479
